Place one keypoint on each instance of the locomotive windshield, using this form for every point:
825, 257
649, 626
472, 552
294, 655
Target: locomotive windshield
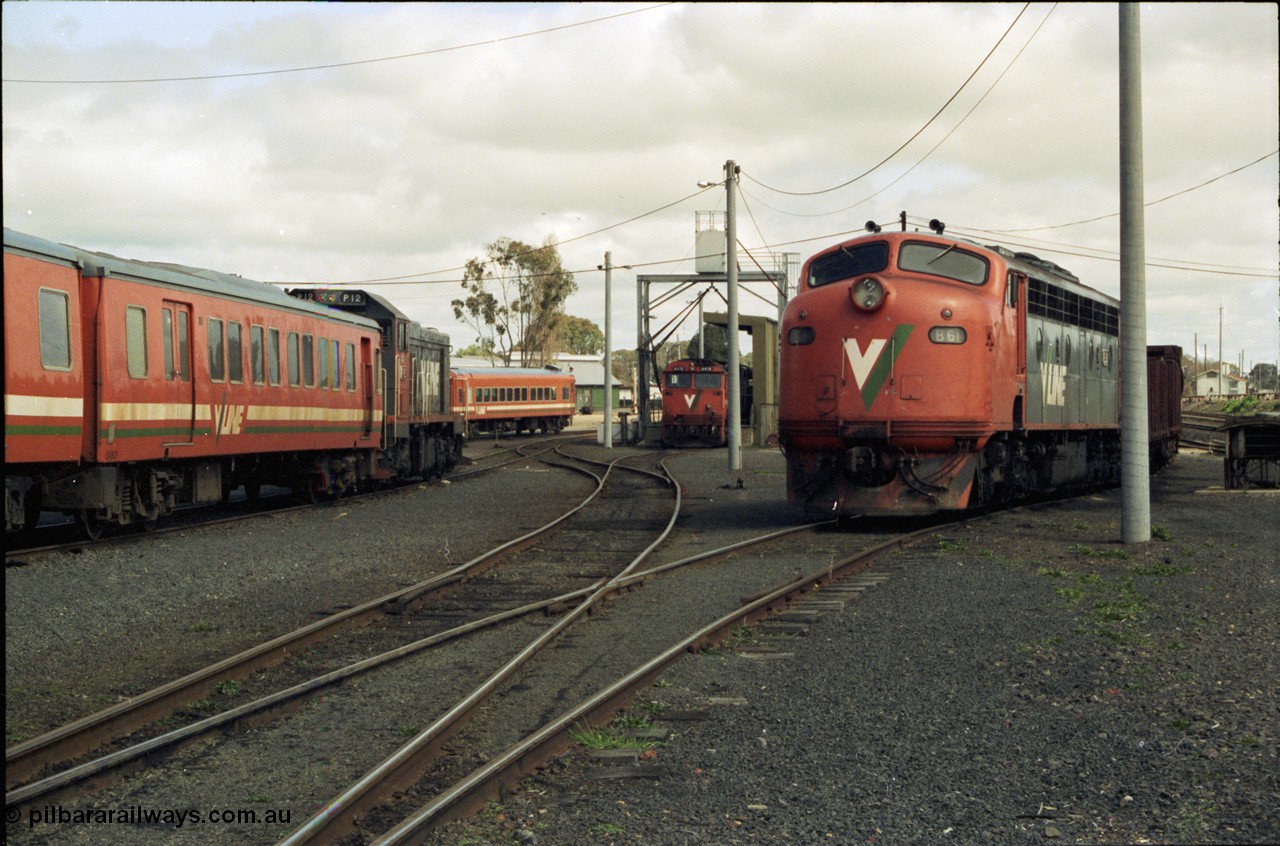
706, 380
848, 262
938, 260
678, 380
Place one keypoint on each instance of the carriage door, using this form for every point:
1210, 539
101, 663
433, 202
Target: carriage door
368, 379
180, 391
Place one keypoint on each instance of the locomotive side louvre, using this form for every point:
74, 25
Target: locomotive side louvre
1072, 352
923, 373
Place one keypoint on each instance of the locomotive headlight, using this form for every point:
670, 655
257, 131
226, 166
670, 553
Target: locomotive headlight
799, 336
867, 294
947, 335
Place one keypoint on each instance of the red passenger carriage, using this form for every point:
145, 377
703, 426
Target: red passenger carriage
512, 400
131, 387
695, 393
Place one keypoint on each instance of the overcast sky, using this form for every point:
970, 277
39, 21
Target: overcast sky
330, 143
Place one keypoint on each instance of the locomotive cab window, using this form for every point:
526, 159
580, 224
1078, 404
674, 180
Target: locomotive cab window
678, 380
947, 262
55, 330
135, 332
847, 262
706, 380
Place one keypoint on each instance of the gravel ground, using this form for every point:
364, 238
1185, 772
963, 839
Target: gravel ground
1117, 694
82, 630
1024, 679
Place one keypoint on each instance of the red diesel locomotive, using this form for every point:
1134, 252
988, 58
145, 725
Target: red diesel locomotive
511, 400
695, 393
131, 387
922, 373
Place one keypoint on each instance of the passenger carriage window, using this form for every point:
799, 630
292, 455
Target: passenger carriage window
166, 339
217, 359
257, 356
55, 330
135, 333
294, 360
308, 361
524, 394
335, 366
323, 380
949, 262
235, 355
351, 367
273, 356
184, 347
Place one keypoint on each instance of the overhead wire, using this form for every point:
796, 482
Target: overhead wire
332, 65
904, 144
1145, 205
935, 147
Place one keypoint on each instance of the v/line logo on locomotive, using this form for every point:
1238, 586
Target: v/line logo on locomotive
870, 369
1054, 378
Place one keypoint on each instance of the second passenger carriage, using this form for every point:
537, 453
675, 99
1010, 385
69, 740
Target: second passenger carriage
502, 400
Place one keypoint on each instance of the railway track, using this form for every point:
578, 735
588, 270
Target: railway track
62, 536
1200, 430
449, 771
25, 760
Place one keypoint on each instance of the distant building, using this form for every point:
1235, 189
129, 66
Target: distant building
1207, 384
588, 372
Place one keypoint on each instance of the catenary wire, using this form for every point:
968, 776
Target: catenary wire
332, 65
904, 144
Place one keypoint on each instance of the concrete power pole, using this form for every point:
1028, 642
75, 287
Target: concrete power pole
608, 353
734, 410
1135, 458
